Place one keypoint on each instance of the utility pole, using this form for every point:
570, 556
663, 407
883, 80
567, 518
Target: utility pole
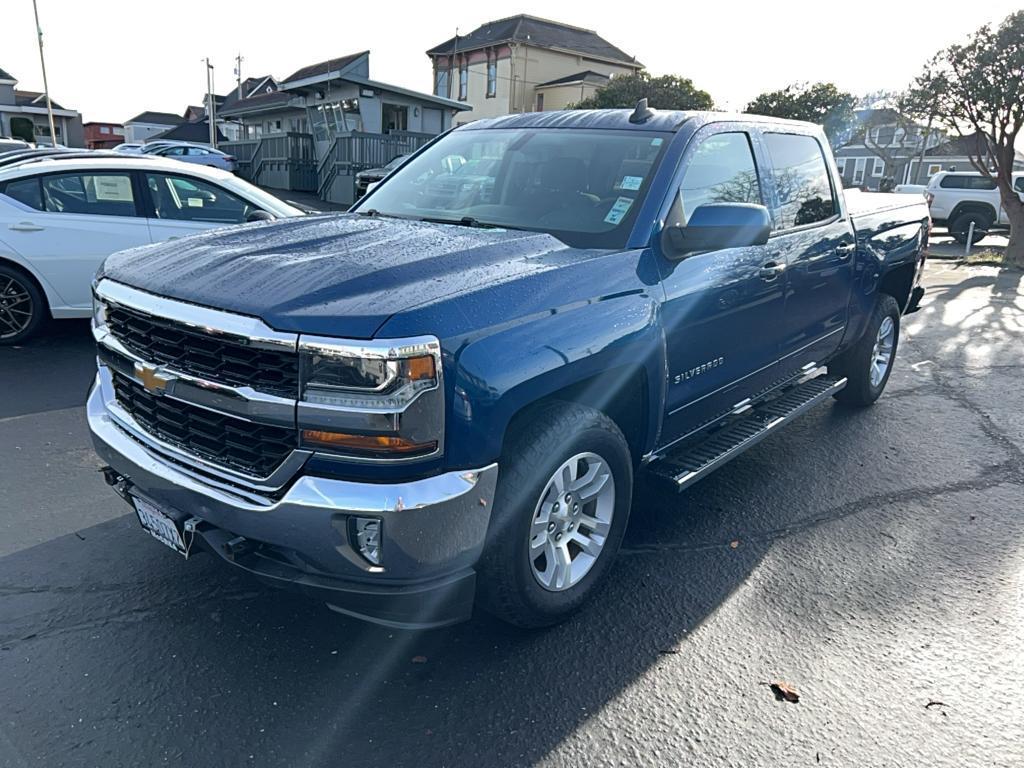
238, 72
46, 86
210, 108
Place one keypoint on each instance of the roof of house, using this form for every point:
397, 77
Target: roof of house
198, 131
193, 109
160, 118
249, 86
587, 76
33, 99
5, 75
324, 67
256, 103
539, 32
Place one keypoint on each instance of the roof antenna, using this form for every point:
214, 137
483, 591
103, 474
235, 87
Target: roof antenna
642, 113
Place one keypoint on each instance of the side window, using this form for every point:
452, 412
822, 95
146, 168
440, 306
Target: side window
181, 198
721, 170
95, 194
1018, 184
174, 152
981, 182
953, 182
801, 180
192, 151
25, 191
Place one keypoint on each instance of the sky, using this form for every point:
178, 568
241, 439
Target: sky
112, 64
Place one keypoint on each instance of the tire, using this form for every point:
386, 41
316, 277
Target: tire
863, 387
18, 296
525, 521
962, 225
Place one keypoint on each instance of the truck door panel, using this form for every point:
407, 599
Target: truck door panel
722, 311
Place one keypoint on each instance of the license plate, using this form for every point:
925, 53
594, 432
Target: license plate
160, 526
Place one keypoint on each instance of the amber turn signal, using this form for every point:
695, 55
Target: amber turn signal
365, 444
420, 368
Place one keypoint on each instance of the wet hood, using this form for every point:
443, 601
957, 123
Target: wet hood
337, 275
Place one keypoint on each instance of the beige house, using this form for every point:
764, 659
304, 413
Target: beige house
524, 64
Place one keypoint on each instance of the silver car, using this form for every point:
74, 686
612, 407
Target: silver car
195, 153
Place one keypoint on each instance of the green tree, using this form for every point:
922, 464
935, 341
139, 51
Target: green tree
978, 89
821, 103
665, 92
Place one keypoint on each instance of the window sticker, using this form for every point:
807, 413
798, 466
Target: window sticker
656, 142
631, 182
618, 211
117, 189
195, 202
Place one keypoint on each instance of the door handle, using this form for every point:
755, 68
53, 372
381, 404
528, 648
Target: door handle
771, 270
26, 226
843, 250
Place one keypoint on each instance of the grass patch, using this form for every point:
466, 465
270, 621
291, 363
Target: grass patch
985, 257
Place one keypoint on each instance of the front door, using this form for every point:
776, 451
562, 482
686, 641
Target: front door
182, 205
723, 309
813, 237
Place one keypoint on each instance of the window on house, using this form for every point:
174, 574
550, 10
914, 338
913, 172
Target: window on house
934, 168
277, 125
104, 129
801, 180
858, 170
540, 102
441, 82
492, 76
463, 80
841, 165
879, 167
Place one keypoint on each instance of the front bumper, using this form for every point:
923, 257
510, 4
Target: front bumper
433, 529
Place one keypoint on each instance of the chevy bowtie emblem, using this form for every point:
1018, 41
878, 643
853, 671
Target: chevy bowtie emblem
151, 378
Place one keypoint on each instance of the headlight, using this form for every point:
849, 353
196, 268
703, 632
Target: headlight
374, 400
99, 313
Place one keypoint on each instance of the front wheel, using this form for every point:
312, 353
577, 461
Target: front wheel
961, 227
564, 489
868, 363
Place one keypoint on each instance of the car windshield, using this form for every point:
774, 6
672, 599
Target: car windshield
582, 186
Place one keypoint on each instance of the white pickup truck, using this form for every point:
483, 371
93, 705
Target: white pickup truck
957, 199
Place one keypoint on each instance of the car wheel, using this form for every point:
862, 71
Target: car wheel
961, 226
22, 306
565, 485
869, 362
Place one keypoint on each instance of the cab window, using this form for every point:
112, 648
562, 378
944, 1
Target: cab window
801, 180
721, 170
181, 198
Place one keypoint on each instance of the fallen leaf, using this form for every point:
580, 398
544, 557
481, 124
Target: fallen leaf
734, 544
419, 659
784, 692
669, 650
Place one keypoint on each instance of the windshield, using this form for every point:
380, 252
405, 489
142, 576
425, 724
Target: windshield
582, 186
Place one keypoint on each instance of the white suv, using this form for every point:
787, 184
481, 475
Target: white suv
959, 198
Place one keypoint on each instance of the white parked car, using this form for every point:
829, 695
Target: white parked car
60, 218
958, 199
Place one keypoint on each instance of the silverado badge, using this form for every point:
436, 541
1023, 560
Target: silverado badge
697, 370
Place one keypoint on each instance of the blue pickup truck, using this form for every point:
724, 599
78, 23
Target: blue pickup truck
444, 396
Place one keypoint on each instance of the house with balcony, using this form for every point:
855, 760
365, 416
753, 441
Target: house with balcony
23, 115
524, 64
325, 122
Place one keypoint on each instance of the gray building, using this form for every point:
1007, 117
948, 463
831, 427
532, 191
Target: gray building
884, 150
23, 115
318, 127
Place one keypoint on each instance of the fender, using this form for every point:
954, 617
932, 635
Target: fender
498, 375
11, 256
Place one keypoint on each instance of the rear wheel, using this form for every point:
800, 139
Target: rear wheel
564, 491
868, 363
22, 306
960, 228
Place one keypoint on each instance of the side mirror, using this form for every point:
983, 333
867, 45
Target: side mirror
259, 216
714, 226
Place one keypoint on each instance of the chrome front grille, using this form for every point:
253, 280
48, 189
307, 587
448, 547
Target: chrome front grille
219, 358
253, 449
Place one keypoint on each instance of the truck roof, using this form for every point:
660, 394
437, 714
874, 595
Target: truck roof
660, 120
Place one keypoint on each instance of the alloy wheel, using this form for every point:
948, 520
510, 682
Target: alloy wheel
881, 355
16, 307
571, 521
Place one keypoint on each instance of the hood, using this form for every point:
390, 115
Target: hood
335, 275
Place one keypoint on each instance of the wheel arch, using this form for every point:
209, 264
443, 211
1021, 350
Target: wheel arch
969, 206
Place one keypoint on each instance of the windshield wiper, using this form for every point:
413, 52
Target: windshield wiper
467, 221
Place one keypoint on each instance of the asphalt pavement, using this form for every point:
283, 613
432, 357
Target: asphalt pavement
873, 560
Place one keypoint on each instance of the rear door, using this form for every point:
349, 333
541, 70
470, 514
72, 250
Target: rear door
814, 239
722, 310
182, 205
71, 222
